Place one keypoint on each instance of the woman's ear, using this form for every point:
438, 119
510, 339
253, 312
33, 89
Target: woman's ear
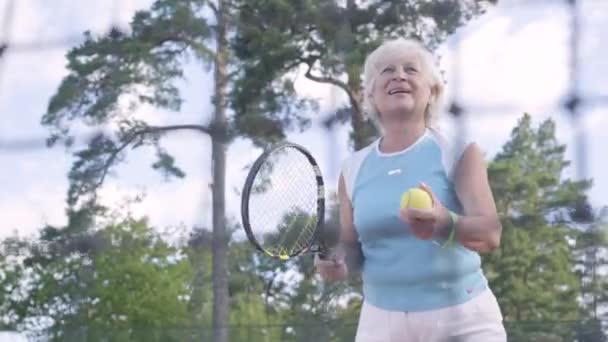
370, 96
434, 91
437, 90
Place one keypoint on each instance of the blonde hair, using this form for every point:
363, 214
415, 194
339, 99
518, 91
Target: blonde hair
398, 46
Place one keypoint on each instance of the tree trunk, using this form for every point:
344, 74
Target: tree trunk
594, 282
219, 249
363, 133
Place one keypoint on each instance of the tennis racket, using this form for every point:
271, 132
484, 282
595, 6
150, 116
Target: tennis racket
283, 203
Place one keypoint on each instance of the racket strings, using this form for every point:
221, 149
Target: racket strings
283, 212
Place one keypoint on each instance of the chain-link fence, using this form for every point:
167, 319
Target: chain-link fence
268, 288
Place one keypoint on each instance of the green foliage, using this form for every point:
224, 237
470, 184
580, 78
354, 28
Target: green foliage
112, 75
140, 66
126, 282
123, 281
136, 282
199, 256
276, 40
10, 270
252, 316
532, 272
591, 255
310, 309
139, 277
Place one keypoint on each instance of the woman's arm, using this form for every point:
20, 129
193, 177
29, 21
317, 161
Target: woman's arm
347, 227
349, 239
346, 258
479, 228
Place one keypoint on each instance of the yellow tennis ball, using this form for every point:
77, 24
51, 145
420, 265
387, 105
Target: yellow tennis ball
416, 198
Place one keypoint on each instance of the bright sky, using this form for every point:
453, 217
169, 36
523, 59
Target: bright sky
515, 59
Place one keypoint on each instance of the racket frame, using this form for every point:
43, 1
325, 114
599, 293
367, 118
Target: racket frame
311, 246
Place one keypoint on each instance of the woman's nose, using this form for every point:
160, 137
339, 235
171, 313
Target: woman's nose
400, 74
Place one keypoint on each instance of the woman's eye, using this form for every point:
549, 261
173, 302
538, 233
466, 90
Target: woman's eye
388, 69
411, 70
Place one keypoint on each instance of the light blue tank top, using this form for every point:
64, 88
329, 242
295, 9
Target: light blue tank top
402, 272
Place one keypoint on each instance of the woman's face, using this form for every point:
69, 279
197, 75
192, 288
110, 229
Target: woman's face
402, 88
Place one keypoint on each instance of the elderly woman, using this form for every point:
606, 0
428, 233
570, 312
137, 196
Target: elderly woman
421, 269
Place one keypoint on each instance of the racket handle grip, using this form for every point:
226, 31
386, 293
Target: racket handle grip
322, 253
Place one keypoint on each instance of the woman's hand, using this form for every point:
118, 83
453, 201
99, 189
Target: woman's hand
426, 223
331, 269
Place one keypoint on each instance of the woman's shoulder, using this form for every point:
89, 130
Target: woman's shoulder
452, 140
453, 145
357, 156
352, 163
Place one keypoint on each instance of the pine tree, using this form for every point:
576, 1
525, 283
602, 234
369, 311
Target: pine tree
329, 39
532, 272
591, 255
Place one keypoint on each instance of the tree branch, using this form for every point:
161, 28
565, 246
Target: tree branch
214, 8
147, 130
326, 80
175, 38
333, 81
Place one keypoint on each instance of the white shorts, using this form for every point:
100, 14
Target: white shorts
477, 320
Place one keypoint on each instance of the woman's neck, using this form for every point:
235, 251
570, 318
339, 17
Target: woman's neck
399, 138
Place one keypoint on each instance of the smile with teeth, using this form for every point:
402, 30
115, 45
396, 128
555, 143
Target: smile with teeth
399, 91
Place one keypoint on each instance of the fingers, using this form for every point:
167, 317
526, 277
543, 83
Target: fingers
333, 268
420, 222
331, 261
423, 233
428, 189
419, 214
403, 215
410, 215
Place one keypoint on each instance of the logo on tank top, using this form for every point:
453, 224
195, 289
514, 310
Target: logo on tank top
394, 172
